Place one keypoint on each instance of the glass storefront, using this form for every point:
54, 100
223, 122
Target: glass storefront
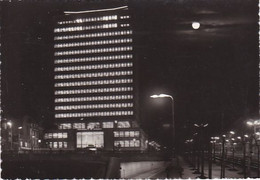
90, 139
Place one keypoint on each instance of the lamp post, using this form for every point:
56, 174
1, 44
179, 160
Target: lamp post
173, 120
19, 137
232, 145
253, 137
9, 123
257, 140
201, 128
222, 173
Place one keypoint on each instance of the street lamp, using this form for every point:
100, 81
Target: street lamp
173, 120
232, 144
19, 136
201, 128
253, 137
9, 123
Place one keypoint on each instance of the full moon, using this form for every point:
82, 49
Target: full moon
195, 25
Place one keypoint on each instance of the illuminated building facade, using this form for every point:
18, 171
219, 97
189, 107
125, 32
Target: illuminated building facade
94, 71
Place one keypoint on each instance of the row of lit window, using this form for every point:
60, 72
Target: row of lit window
93, 43
55, 135
58, 144
94, 98
94, 83
94, 106
96, 58
127, 143
126, 133
91, 51
124, 17
82, 28
96, 90
93, 35
91, 125
94, 114
96, 66
93, 75
94, 125
125, 25
92, 19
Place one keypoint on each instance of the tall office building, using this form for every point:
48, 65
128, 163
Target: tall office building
95, 93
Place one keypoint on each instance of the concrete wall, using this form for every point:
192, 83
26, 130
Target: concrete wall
129, 169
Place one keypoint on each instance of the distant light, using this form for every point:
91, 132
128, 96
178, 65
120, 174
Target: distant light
246, 135
9, 124
257, 133
39, 141
20, 127
257, 122
238, 137
96, 10
195, 25
249, 123
232, 132
196, 125
205, 125
92, 149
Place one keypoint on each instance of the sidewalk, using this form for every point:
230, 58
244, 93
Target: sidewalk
188, 173
169, 171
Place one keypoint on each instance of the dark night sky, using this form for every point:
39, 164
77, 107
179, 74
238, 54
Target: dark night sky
212, 72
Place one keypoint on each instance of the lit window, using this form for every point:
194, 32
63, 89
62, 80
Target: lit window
121, 133
123, 124
93, 125
137, 143
91, 51
64, 135
55, 144
127, 133
132, 143
90, 83
90, 139
137, 133
99, 58
79, 126
55, 135
127, 144
50, 145
116, 134
131, 134
60, 144
108, 124
59, 135
64, 126
65, 144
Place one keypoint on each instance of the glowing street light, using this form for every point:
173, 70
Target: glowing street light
232, 132
9, 124
249, 123
173, 120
